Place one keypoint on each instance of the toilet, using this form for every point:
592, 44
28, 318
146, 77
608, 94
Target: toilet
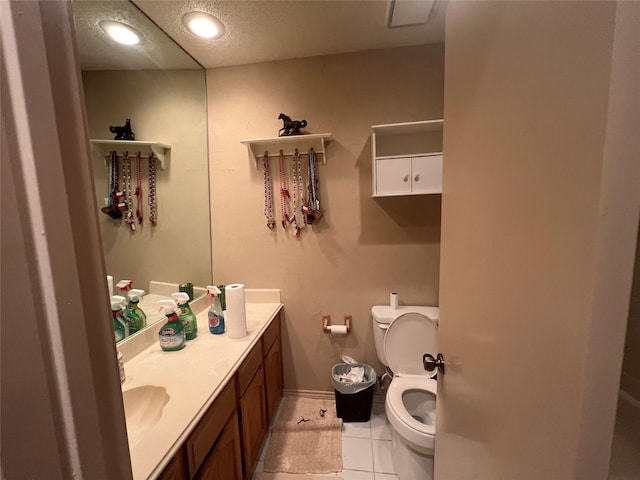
402, 337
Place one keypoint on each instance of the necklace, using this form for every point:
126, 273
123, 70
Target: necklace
111, 200
268, 192
313, 210
297, 193
139, 197
284, 192
152, 190
126, 165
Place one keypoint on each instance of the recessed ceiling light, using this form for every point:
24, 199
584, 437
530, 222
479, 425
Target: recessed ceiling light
203, 24
120, 32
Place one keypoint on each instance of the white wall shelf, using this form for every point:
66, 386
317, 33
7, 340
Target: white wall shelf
407, 158
160, 151
303, 143
408, 127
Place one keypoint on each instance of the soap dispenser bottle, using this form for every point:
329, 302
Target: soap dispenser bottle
186, 316
136, 318
120, 327
216, 316
171, 335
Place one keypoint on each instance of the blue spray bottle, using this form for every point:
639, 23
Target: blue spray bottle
216, 317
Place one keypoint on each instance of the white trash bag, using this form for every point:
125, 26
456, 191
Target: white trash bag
351, 376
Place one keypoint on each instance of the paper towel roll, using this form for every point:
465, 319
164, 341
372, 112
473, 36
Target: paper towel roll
393, 301
338, 329
235, 317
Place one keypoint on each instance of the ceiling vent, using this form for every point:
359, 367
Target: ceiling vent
405, 13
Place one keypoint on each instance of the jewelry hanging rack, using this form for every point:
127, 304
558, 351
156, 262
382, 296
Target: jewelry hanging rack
288, 145
161, 151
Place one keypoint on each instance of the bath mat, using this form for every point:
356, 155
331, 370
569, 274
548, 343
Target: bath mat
311, 446
290, 476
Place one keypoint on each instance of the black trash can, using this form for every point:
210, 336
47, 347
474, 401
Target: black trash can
353, 399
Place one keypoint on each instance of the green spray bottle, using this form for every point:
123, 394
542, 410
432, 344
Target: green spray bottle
120, 327
171, 335
136, 318
186, 316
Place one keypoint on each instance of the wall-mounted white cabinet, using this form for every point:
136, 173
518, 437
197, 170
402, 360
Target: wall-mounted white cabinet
407, 158
415, 175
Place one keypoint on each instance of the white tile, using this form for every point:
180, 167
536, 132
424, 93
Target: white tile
265, 444
385, 476
356, 429
380, 428
356, 454
355, 475
382, 461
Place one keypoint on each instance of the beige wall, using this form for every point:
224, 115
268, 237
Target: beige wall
363, 248
631, 366
168, 107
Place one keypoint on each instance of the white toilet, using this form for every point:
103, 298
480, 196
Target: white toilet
402, 337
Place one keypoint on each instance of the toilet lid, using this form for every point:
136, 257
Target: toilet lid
408, 338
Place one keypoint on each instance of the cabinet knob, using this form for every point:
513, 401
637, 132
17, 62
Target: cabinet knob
417, 177
406, 178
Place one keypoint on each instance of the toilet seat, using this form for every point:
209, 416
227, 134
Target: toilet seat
414, 431
403, 384
408, 338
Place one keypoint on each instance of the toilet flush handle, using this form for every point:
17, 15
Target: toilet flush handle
430, 363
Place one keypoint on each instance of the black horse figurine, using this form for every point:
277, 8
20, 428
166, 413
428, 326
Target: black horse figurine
291, 127
124, 132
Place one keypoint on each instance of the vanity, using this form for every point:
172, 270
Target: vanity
203, 412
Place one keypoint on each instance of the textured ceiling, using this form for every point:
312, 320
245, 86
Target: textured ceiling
261, 30
98, 52
256, 31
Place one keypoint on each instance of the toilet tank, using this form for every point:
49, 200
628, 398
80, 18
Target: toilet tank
383, 315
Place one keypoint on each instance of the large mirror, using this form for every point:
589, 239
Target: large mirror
162, 90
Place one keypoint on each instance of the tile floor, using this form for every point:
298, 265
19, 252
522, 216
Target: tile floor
366, 449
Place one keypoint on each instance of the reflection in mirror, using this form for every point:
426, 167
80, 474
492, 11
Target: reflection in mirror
162, 90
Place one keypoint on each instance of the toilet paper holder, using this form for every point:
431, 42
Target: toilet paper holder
326, 323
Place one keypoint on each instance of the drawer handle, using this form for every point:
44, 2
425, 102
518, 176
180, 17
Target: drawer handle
406, 178
417, 177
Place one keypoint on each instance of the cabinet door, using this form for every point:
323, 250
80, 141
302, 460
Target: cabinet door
211, 425
426, 174
176, 470
253, 414
224, 462
393, 176
274, 378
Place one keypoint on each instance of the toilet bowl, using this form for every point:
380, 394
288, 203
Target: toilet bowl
410, 402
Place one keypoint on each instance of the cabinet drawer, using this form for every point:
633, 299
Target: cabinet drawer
205, 434
249, 367
271, 334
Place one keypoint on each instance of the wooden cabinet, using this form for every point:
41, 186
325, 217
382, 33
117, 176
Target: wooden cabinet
226, 442
224, 461
176, 469
206, 433
252, 409
407, 158
273, 374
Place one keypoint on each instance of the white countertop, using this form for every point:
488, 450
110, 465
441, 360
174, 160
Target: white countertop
193, 377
